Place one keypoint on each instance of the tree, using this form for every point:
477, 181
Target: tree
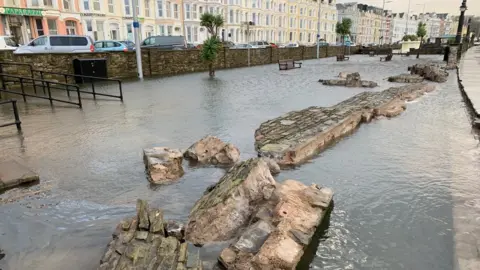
343, 29
421, 32
410, 38
212, 45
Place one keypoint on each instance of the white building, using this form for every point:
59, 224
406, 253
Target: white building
403, 25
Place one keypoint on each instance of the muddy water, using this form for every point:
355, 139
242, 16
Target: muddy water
397, 181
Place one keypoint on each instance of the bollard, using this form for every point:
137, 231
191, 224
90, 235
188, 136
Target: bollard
18, 123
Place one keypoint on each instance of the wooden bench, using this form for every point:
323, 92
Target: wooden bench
387, 58
287, 64
342, 57
406, 54
371, 53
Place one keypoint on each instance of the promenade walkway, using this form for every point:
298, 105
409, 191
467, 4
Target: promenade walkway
470, 76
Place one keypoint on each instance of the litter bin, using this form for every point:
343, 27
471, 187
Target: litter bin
95, 67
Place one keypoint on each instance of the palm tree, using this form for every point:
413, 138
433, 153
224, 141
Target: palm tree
343, 29
212, 45
421, 32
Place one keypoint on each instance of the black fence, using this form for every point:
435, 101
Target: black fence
92, 80
17, 121
48, 85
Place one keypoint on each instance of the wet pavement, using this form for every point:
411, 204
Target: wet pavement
401, 186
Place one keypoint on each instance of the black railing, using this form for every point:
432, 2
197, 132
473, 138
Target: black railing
92, 81
66, 76
17, 122
49, 85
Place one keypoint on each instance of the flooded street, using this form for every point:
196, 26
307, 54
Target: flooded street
401, 185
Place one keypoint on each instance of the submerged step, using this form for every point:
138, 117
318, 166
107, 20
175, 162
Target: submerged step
13, 174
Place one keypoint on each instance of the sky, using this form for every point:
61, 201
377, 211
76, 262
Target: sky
416, 6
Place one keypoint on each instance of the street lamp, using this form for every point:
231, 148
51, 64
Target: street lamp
383, 16
461, 21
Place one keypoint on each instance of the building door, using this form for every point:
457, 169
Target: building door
114, 31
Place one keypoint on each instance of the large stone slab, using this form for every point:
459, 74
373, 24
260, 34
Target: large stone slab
431, 72
143, 242
228, 206
406, 78
298, 135
164, 165
278, 239
13, 174
349, 80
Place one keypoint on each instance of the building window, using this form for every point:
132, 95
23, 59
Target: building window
147, 8
38, 23
231, 16
71, 27
187, 11
66, 5
200, 10
99, 33
88, 24
162, 30
96, 5
128, 10
237, 17
52, 27
175, 11
169, 30
301, 36
160, 8
35, 3
169, 10
189, 34
291, 36
195, 34
254, 3
111, 8
86, 5
194, 11
129, 31
114, 31
48, 3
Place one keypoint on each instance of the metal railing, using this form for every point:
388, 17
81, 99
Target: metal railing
66, 76
92, 82
49, 85
17, 122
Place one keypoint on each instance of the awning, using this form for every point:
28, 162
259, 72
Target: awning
21, 11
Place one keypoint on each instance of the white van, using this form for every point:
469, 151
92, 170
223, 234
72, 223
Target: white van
58, 44
7, 43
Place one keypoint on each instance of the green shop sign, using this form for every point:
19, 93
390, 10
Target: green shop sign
21, 11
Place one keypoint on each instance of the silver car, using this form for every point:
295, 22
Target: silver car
58, 44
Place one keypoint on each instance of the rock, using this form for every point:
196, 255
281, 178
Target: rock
430, 72
272, 165
164, 165
212, 150
142, 215
406, 78
353, 80
175, 229
142, 245
315, 128
229, 205
343, 75
2, 254
296, 218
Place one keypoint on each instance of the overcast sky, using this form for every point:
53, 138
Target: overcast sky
440, 6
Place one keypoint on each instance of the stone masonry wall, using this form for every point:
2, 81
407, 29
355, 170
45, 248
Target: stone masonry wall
158, 62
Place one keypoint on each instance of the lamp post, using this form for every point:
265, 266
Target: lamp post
461, 21
408, 17
138, 51
382, 29
318, 27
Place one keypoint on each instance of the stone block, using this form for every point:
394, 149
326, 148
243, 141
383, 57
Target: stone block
164, 165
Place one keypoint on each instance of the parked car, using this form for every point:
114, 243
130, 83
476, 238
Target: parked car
292, 45
130, 44
273, 45
165, 42
244, 46
111, 46
228, 44
8, 43
58, 44
260, 44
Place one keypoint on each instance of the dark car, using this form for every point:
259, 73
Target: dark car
165, 42
130, 45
